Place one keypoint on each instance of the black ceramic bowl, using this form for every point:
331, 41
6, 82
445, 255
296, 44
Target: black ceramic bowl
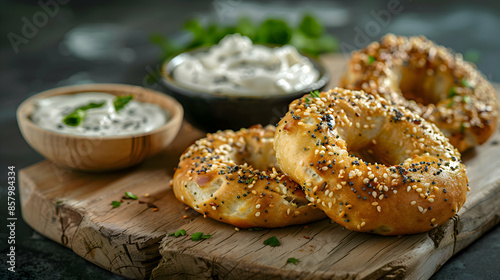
212, 112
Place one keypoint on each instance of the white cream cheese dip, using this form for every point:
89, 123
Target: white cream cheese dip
238, 67
135, 117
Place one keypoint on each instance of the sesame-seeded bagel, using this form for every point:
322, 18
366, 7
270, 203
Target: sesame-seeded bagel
231, 177
432, 81
371, 166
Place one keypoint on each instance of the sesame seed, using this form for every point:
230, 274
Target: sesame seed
413, 202
257, 206
375, 203
420, 208
379, 208
258, 214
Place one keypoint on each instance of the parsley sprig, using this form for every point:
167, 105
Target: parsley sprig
309, 36
115, 203
178, 233
293, 260
272, 241
130, 195
197, 236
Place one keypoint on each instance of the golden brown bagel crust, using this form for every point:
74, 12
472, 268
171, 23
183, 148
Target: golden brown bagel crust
219, 177
415, 183
430, 80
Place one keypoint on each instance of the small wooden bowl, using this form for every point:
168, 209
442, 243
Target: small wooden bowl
99, 153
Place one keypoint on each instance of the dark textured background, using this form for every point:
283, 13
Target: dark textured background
107, 41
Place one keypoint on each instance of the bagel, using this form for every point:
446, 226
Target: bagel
370, 166
220, 177
430, 80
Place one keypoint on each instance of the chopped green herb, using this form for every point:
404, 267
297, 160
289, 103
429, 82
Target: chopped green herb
466, 99
77, 116
273, 241
121, 101
311, 27
462, 128
371, 59
466, 83
116, 203
309, 36
130, 195
273, 31
178, 233
255, 229
315, 93
197, 236
250, 180
92, 105
452, 92
450, 104
292, 260
307, 100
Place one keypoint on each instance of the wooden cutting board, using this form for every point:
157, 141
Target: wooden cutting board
74, 209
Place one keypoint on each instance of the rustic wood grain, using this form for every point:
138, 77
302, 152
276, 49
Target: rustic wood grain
74, 209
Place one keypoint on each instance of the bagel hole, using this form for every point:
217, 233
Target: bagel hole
375, 154
258, 153
424, 86
297, 201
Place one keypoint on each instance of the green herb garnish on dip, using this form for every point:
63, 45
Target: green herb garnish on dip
77, 116
97, 114
121, 101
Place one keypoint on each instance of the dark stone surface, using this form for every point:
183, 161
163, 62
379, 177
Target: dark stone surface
123, 54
